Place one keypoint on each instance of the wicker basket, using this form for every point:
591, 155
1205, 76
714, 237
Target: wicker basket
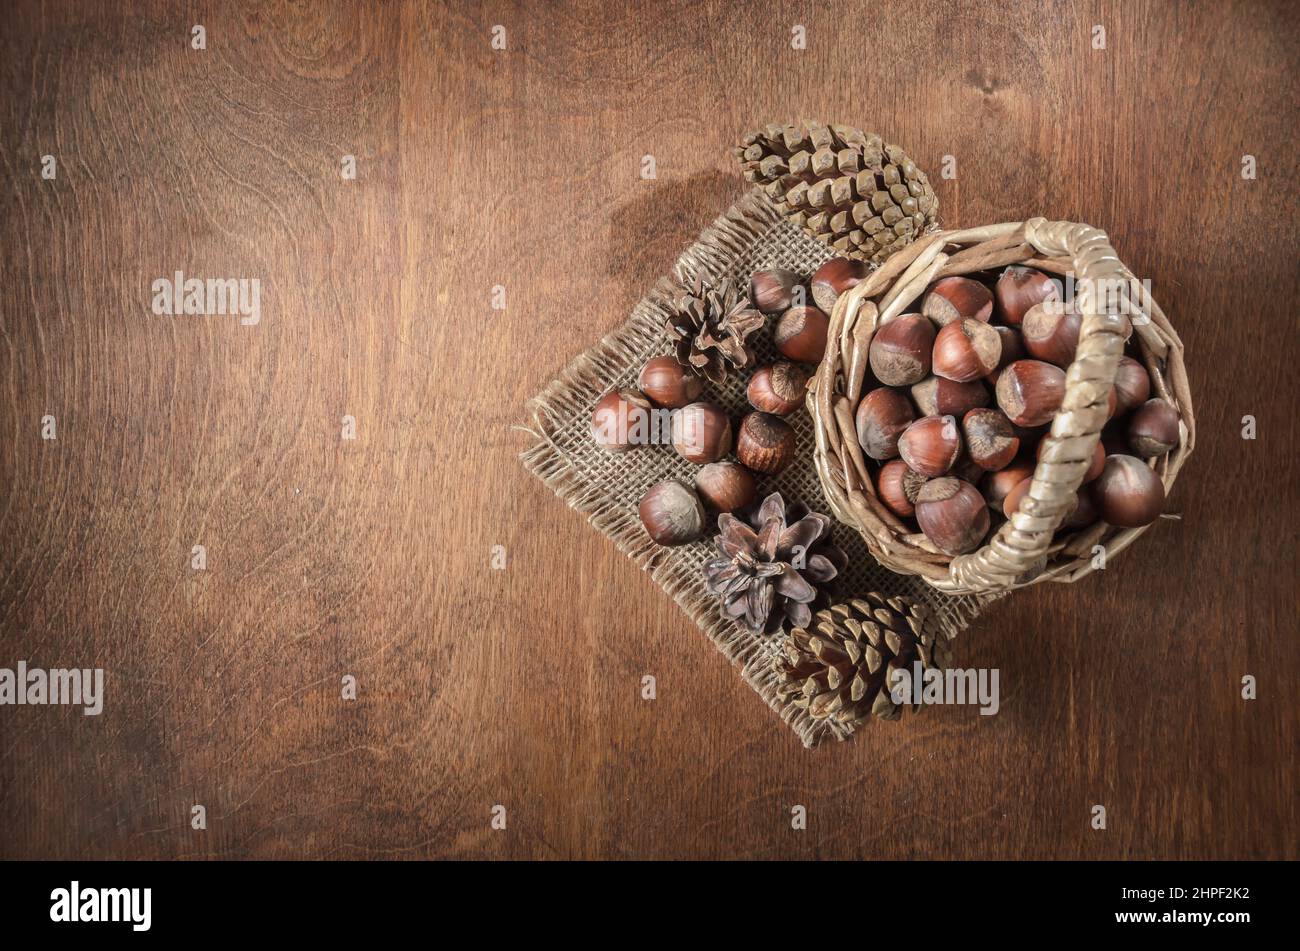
1023, 550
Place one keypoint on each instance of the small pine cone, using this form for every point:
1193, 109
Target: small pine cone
711, 327
841, 668
847, 188
775, 570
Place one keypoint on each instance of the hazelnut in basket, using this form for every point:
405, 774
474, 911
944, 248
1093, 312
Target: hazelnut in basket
980, 465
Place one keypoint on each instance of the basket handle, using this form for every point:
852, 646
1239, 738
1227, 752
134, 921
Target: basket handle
1017, 552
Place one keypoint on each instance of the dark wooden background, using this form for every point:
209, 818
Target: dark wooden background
371, 557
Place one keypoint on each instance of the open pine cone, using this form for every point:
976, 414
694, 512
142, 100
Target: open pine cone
847, 188
842, 667
774, 571
712, 327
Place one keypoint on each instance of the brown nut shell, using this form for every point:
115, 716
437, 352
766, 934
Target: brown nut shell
1030, 392
621, 420
671, 514
952, 514
931, 445
779, 389
800, 334
773, 290
766, 443
897, 486
998, 485
900, 350
966, 350
881, 418
726, 486
1095, 465
834, 278
957, 298
991, 440
1084, 512
935, 396
667, 383
1132, 385
1011, 504
701, 433
1013, 348
1051, 333
1019, 289
1128, 493
1153, 430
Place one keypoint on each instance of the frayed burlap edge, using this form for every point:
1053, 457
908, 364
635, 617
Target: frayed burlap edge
613, 361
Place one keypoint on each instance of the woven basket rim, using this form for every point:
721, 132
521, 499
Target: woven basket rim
1002, 563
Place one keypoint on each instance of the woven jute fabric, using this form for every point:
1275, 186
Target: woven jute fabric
607, 487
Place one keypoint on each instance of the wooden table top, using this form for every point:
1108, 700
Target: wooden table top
370, 557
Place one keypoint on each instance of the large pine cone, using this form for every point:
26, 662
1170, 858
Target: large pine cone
842, 668
847, 188
712, 327
773, 572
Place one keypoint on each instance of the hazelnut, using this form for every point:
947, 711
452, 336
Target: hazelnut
957, 298
766, 443
779, 389
898, 486
952, 514
621, 420
1084, 512
991, 440
1095, 464
931, 445
1013, 349
701, 433
1052, 333
966, 350
936, 396
772, 291
669, 384
1019, 289
900, 350
1011, 504
834, 278
881, 418
1153, 430
998, 485
1128, 493
800, 334
1132, 385
726, 486
671, 514
1030, 392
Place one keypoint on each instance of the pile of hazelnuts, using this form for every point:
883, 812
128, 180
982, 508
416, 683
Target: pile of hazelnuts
674, 513
964, 392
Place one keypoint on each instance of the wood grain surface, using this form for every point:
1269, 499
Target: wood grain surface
370, 557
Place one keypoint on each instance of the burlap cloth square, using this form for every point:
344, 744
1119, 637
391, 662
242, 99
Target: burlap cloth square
607, 487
